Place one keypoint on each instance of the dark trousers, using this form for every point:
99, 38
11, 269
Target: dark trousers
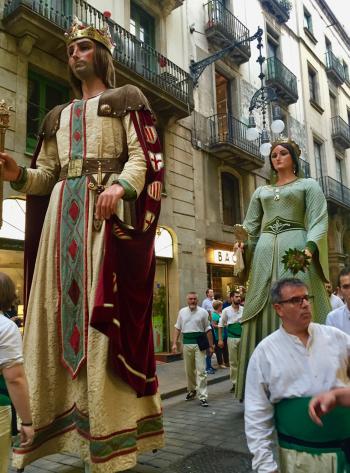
222, 353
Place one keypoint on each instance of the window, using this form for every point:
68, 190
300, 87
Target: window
348, 114
142, 25
307, 21
230, 199
334, 105
43, 95
273, 43
313, 84
339, 169
346, 71
328, 44
318, 159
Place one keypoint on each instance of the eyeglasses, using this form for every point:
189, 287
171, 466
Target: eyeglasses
297, 300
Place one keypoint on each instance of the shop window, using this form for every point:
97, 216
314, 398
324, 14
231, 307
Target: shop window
43, 95
230, 199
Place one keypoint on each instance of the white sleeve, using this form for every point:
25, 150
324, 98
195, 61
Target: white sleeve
10, 345
206, 324
258, 416
178, 324
223, 319
330, 319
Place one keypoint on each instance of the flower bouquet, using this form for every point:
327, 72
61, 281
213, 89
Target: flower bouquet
295, 260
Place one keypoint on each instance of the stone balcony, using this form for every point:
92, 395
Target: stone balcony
228, 142
222, 29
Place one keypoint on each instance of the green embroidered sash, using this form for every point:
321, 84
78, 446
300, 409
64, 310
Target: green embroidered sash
296, 431
279, 225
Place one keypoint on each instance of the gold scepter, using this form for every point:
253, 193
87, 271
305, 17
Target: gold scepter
4, 124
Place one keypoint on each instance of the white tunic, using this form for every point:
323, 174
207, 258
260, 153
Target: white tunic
340, 318
335, 301
10, 343
282, 367
230, 316
192, 321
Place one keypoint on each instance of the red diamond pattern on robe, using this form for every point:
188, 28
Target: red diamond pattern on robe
74, 210
74, 292
75, 339
73, 248
77, 135
78, 112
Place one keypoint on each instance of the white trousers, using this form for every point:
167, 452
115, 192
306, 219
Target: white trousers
195, 370
233, 347
5, 437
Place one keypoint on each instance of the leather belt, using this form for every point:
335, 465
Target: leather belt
86, 167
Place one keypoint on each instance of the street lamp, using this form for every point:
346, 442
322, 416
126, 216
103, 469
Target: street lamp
260, 100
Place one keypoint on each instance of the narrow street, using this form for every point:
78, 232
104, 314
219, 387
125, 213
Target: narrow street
198, 440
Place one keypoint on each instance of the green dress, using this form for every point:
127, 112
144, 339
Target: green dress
279, 218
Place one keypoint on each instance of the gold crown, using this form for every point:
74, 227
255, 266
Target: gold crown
292, 143
79, 30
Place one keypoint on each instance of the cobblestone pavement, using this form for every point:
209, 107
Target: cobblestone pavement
198, 440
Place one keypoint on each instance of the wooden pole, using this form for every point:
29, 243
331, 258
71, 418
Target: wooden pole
4, 124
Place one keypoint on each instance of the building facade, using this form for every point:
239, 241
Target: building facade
211, 167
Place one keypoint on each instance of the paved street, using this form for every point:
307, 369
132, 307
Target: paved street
197, 439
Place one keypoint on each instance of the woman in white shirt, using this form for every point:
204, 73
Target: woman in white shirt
12, 377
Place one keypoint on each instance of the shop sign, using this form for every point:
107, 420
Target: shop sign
224, 257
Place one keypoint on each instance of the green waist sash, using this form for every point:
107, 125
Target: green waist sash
279, 225
234, 330
4, 396
191, 337
297, 431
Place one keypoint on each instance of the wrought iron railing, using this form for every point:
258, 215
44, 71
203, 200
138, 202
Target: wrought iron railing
129, 51
340, 128
224, 128
219, 15
304, 168
277, 71
335, 190
333, 63
286, 5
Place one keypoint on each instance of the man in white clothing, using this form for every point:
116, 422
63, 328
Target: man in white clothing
194, 325
340, 317
299, 360
230, 318
334, 300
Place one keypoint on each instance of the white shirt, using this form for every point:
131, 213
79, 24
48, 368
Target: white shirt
335, 301
10, 343
282, 367
340, 318
230, 316
192, 321
207, 304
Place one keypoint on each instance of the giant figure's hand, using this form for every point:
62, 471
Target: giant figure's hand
107, 201
11, 170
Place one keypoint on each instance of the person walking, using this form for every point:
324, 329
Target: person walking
193, 324
220, 352
230, 319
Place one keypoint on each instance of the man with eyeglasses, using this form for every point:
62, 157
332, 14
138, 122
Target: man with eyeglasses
340, 317
299, 360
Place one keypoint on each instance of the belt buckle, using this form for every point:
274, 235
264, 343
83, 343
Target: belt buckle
75, 168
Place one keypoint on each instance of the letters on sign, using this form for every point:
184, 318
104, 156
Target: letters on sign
224, 257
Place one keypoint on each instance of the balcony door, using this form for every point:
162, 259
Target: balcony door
142, 26
223, 107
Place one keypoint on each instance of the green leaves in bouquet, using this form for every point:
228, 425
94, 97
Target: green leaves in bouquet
295, 260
